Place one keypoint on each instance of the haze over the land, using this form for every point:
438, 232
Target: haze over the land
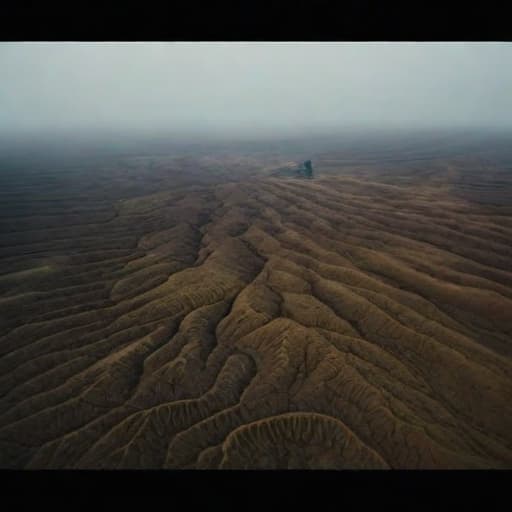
252, 89
233, 256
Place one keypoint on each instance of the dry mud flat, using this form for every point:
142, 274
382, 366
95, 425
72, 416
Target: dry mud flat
228, 319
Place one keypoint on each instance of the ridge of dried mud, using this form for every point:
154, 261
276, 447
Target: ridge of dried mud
247, 321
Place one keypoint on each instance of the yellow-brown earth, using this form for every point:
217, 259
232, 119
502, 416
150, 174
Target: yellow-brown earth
201, 313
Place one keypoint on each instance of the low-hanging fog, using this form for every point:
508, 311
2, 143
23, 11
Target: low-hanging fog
252, 88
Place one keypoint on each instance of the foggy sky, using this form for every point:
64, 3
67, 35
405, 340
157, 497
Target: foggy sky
252, 88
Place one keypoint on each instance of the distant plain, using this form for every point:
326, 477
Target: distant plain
181, 306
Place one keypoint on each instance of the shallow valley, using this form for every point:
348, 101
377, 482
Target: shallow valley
197, 311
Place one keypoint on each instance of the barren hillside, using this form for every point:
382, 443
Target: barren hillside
202, 313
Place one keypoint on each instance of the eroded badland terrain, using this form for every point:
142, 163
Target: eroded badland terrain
196, 311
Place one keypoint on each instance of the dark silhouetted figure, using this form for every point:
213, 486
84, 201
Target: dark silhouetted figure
309, 169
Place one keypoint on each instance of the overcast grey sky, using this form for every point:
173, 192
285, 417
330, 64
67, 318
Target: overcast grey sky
253, 87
